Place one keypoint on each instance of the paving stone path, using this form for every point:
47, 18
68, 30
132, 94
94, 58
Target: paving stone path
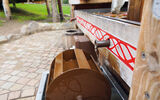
23, 61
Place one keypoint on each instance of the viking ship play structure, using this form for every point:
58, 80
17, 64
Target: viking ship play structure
118, 54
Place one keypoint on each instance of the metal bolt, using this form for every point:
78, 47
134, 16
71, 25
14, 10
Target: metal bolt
143, 55
102, 43
147, 96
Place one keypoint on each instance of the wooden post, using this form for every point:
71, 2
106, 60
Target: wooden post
72, 11
28, 1
14, 3
146, 76
60, 10
47, 6
55, 16
7, 10
135, 10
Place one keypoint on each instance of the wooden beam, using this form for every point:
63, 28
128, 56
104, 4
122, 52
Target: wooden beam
28, 1
130, 35
14, 3
135, 10
81, 59
60, 10
72, 11
6, 8
88, 1
55, 16
146, 76
48, 9
92, 6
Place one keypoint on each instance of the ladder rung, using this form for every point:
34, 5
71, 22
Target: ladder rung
81, 59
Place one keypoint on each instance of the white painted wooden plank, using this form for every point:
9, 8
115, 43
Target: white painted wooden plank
42, 86
126, 32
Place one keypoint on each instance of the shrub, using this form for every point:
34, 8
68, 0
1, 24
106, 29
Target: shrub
65, 1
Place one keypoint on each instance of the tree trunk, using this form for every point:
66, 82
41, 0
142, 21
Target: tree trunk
28, 1
55, 15
7, 10
60, 10
47, 6
72, 11
14, 3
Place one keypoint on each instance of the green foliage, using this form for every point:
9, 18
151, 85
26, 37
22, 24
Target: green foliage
29, 12
36, 12
37, 9
66, 10
2, 14
1, 23
65, 1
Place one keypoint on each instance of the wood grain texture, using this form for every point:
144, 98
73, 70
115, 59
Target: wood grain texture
47, 6
146, 76
111, 62
135, 10
55, 15
81, 59
71, 79
6, 8
60, 10
58, 69
72, 11
88, 1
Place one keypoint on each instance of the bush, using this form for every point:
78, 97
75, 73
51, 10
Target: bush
65, 1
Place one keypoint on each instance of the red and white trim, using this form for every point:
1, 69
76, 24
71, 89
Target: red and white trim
122, 50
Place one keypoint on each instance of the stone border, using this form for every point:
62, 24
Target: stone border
34, 27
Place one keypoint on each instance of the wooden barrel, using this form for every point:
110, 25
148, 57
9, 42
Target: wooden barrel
74, 76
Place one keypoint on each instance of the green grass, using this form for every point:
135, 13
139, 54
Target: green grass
36, 12
1, 23
2, 14
66, 10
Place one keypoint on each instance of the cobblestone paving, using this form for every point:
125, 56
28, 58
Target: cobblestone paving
23, 61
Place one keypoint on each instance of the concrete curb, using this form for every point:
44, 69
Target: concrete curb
34, 27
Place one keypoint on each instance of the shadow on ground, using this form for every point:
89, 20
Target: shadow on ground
19, 11
22, 15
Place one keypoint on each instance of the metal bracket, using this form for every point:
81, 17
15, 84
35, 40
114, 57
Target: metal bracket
114, 83
100, 44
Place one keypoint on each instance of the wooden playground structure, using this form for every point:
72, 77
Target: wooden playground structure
54, 3
133, 54
118, 52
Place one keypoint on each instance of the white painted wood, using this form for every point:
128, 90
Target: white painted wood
42, 86
74, 1
156, 9
124, 31
6, 8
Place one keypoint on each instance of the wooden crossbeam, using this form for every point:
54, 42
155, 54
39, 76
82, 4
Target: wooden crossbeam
88, 1
81, 59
